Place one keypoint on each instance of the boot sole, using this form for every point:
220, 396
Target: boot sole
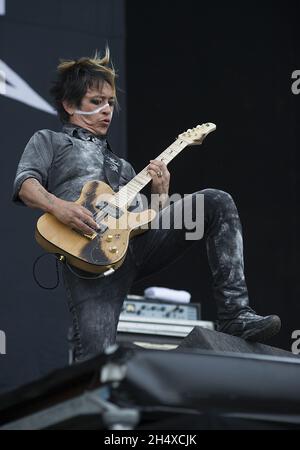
266, 331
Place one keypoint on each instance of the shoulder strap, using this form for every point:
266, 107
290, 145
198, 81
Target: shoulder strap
112, 168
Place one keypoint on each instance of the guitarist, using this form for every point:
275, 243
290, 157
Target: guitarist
50, 176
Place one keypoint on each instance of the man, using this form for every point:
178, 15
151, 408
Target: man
51, 173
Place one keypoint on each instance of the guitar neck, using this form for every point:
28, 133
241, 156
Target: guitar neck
128, 192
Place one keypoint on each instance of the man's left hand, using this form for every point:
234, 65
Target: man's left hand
160, 177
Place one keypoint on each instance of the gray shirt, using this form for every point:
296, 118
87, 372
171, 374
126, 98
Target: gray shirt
64, 161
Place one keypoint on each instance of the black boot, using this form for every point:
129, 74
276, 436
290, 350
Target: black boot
250, 326
224, 243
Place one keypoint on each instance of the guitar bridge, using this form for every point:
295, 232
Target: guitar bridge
91, 237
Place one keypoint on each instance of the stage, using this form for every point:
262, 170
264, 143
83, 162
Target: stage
253, 386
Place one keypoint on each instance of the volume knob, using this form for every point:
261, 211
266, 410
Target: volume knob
109, 238
113, 250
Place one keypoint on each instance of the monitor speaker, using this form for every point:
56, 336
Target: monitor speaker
205, 339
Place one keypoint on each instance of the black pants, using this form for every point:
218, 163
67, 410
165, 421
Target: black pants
96, 304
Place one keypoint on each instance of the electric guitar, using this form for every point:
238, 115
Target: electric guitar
105, 250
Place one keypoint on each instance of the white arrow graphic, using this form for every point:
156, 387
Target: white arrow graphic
2, 343
2, 7
12, 86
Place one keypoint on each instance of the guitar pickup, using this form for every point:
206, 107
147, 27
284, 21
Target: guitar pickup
110, 210
102, 228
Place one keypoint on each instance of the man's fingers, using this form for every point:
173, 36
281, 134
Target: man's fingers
86, 211
158, 163
89, 221
81, 226
154, 175
159, 168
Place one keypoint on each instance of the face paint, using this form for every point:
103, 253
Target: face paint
90, 113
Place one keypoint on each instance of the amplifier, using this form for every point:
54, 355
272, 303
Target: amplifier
157, 325
136, 306
162, 334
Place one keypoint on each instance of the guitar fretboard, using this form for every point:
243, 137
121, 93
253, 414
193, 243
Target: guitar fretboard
127, 193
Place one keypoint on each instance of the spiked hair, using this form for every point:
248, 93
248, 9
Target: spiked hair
75, 77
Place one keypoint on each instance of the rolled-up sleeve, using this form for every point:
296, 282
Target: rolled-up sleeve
35, 162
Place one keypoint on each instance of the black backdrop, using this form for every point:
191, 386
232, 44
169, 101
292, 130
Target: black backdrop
230, 63
187, 63
33, 36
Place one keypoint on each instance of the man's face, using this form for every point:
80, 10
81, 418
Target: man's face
95, 98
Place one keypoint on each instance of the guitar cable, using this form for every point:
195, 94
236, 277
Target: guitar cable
57, 272
96, 277
60, 259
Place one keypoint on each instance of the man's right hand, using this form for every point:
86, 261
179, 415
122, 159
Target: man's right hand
34, 195
74, 216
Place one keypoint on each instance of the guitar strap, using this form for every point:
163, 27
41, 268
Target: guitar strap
112, 164
112, 168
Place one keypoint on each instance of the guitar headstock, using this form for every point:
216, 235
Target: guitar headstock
197, 135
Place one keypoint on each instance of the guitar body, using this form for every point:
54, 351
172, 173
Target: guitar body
107, 248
